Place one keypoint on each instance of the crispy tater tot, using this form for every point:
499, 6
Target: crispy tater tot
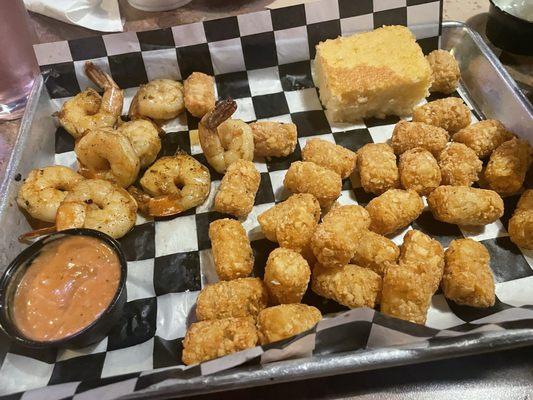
350, 285
408, 135
237, 298
459, 165
206, 340
236, 194
286, 320
483, 137
199, 94
507, 167
308, 177
330, 155
286, 276
405, 295
419, 171
468, 279
376, 164
425, 255
521, 223
393, 210
449, 113
292, 222
375, 252
333, 242
274, 139
464, 205
444, 71
231, 249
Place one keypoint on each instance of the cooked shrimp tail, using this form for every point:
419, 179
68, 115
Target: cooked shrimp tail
28, 236
99, 77
225, 140
88, 110
113, 96
222, 111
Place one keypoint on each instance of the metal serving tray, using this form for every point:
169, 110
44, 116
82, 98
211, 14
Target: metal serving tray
492, 93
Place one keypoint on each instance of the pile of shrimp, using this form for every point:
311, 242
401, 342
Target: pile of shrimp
119, 172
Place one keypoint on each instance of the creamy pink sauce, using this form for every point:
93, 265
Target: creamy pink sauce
66, 288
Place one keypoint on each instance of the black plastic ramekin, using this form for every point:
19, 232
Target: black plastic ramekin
92, 333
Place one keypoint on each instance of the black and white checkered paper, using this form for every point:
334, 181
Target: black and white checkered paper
262, 60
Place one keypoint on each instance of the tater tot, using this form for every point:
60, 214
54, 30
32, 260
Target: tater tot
483, 137
459, 165
521, 223
507, 167
350, 285
408, 135
308, 177
449, 113
376, 164
405, 295
425, 255
375, 252
419, 171
444, 71
333, 242
206, 340
286, 276
393, 210
274, 139
237, 298
284, 321
464, 205
231, 249
236, 194
330, 155
292, 222
199, 94
468, 279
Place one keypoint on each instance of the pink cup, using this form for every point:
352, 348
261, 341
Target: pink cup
18, 66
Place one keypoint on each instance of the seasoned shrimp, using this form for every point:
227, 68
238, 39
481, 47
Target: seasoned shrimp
107, 154
144, 137
173, 185
88, 110
224, 140
100, 205
159, 99
44, 190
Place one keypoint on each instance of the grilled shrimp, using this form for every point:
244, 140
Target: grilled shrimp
107, 154
172, 185
44, 190
144, 137
88, 110
100, 205
224, 140
159, 99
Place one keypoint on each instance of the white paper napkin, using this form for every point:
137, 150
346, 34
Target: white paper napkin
100, 15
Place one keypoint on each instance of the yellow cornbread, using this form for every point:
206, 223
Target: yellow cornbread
371, 74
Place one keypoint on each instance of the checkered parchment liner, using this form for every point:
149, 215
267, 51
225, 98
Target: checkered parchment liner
262, 61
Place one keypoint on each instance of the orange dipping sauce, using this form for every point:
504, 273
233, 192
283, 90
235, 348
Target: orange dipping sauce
67, 286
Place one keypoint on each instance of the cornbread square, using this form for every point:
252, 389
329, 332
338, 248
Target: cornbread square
371, 74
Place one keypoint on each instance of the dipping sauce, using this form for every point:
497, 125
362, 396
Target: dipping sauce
67, 286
